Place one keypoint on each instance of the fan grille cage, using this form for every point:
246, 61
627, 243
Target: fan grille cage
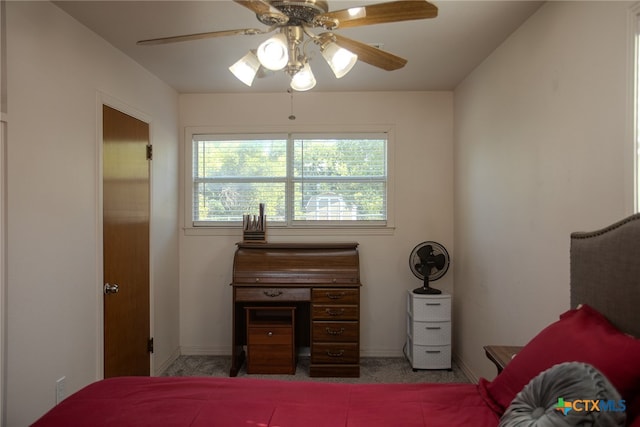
414, 259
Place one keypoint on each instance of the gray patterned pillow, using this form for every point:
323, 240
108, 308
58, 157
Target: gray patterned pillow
566, 395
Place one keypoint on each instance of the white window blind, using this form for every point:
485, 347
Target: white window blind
303, 179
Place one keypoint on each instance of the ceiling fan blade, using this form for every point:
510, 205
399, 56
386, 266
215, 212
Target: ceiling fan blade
264, 10
369, 54
198, 36
395, 11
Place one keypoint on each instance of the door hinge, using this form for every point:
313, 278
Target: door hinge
149, 152
150, 345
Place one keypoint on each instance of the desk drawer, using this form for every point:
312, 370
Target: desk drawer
270, 335
272, 294
335, 312
335, 331
336, 296
271, 359
335, 353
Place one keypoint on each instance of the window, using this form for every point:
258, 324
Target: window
303, 179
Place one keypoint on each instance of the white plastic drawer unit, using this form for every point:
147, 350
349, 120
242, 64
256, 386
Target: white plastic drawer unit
428, 331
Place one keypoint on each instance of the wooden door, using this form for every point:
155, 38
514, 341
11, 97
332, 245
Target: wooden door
126, 244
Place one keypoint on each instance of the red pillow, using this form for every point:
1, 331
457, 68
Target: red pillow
581, 335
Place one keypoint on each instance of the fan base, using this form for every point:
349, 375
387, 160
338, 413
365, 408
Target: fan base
426, 291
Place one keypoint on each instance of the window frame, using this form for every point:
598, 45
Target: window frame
293, 227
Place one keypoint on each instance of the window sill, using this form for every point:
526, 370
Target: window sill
293, 231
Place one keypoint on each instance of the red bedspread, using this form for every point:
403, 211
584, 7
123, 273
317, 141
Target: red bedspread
199, 402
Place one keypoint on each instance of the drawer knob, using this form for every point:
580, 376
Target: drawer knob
269, 334
335, 353
335, 331
333, 312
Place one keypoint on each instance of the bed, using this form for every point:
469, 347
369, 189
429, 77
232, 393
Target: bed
589, 354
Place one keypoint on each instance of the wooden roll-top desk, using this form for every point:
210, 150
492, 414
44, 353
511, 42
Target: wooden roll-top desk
322, 281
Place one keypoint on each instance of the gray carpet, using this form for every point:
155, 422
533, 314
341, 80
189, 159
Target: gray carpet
372, 370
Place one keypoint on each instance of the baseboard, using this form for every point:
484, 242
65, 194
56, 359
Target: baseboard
465, 369
303, 351
160, 368
195, 350
372, 352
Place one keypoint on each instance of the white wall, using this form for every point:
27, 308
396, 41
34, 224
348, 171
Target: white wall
423, 207
542, 148
56, 71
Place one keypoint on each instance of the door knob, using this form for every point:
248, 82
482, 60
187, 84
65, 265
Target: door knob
111, 289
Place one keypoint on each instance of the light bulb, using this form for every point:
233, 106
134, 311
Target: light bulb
339, 59
303, 79
273, 53
246, 68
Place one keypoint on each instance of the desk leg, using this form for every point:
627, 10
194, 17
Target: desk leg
238, 334
237, 359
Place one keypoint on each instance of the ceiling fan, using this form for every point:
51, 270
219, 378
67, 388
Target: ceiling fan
295, 19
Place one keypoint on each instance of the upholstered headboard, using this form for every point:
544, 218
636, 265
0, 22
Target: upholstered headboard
605, 272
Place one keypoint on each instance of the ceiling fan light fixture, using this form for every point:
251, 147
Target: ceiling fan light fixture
303, 79
273, 53
246, 68
339, 59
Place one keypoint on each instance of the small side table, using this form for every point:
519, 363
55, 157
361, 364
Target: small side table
501, 355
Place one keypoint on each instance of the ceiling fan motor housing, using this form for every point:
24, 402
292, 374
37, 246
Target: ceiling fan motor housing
299, 12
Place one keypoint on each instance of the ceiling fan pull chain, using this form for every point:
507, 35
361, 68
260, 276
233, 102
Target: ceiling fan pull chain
291, 116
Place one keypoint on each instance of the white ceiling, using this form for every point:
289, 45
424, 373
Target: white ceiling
441, 52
